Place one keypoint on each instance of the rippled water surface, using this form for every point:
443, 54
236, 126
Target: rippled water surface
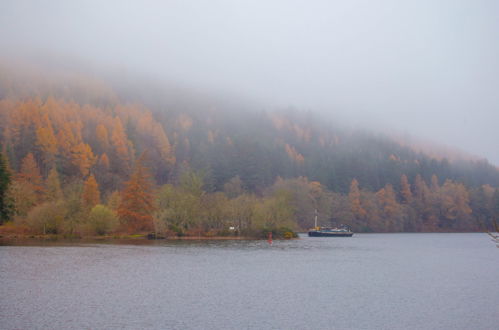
370, 281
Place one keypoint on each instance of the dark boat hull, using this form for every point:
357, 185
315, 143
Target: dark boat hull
316, 233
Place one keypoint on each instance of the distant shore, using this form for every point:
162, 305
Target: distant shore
120, 239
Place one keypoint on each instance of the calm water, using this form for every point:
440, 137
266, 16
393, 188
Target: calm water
370, 281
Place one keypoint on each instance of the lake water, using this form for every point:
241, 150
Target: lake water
369, 281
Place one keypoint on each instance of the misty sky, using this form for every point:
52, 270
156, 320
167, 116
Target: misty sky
430, 68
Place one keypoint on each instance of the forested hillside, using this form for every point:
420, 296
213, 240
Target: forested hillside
90, 155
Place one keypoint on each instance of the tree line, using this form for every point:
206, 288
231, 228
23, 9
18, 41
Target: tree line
282, 165
43, 206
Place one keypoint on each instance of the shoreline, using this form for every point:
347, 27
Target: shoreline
135, 237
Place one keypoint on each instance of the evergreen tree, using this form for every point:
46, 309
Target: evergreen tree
4, 185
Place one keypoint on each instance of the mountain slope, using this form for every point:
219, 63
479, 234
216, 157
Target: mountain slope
84, 126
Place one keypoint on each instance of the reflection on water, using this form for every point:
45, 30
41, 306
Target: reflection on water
371, 281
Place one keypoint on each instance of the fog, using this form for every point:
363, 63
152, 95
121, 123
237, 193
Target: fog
428, 68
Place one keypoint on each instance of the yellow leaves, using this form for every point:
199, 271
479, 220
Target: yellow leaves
119, 139
455, 200
354, 199
46, 140
315, 188
67, 138
281, 122
30, 174
83, 158
53, 186
293, 154
302, 133
121, 146
91, 194
155, 139
102, 136
163, 144
405, 189
386, 197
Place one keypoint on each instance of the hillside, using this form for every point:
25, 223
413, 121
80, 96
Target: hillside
82, 126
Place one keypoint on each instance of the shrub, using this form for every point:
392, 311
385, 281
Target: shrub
47, 218
101, 220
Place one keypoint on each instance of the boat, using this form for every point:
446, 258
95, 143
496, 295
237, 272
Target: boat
329, 232
342, 231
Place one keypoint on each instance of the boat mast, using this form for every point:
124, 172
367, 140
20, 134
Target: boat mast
315, 218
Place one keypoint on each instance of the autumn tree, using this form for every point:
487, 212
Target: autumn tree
121, 145
390, 208
193, 181
454, 205
83, 158
405, 190
306, 197
30, 175
53, 186
101, 220
91, 194
216, 211
178, 208
354, 198
234, 187
274, 211
242, 210
102, 136
47, 142
137, 199
67, 139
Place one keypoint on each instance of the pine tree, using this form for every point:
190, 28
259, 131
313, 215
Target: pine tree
91, 194
4, 185
137, 199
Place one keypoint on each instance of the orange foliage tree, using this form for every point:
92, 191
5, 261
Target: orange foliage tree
137, 200
354, 198
83, 158
405, 189
91, 194
30, 174
390, 209
47, 142
120, 145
